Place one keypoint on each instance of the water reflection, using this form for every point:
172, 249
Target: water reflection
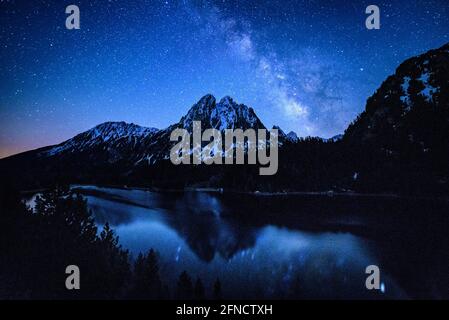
253, 254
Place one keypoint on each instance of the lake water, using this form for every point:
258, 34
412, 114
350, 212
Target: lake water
284, 246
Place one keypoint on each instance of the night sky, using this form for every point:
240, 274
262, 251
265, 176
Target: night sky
307, 66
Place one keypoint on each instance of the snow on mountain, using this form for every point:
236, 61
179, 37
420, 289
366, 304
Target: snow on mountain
335, 138
427, 89
418, 87
281, 132
226, 114
292, 136
108, 132
405, 98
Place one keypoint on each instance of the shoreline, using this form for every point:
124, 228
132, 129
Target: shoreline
329, 194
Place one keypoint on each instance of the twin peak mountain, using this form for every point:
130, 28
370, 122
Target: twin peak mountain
120, 141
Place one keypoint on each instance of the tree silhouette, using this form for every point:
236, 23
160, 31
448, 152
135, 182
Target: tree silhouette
295, 289
199, 291
184, 288
60, 232
114, 261
146, 280
217, 289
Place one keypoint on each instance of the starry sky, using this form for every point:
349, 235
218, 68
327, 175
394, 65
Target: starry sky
305, 65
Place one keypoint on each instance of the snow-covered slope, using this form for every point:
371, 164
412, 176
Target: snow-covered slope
226, 114
335, 138
416, 93
131, 144
110, 134
292, 136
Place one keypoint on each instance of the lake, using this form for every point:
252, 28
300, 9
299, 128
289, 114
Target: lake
284, 246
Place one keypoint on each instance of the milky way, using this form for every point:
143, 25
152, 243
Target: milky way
307, 66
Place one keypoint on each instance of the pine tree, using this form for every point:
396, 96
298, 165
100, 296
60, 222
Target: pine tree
146, 282
217, 289
199, 290
114, 261
185, 287
152, 277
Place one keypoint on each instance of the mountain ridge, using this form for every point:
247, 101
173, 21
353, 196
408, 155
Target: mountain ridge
401, 136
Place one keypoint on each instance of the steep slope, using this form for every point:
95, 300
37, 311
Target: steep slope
402, 137
114, 139
292, 136
226, 114
419, 87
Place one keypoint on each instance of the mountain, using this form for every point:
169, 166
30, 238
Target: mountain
398, 144
419, 87
116, 150
226, 114
286, 137
335, 138
402, 136
292, 136
114, 139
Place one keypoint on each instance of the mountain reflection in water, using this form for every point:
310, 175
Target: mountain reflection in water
268, 247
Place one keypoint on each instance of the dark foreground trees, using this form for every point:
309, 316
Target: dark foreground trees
37, 246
